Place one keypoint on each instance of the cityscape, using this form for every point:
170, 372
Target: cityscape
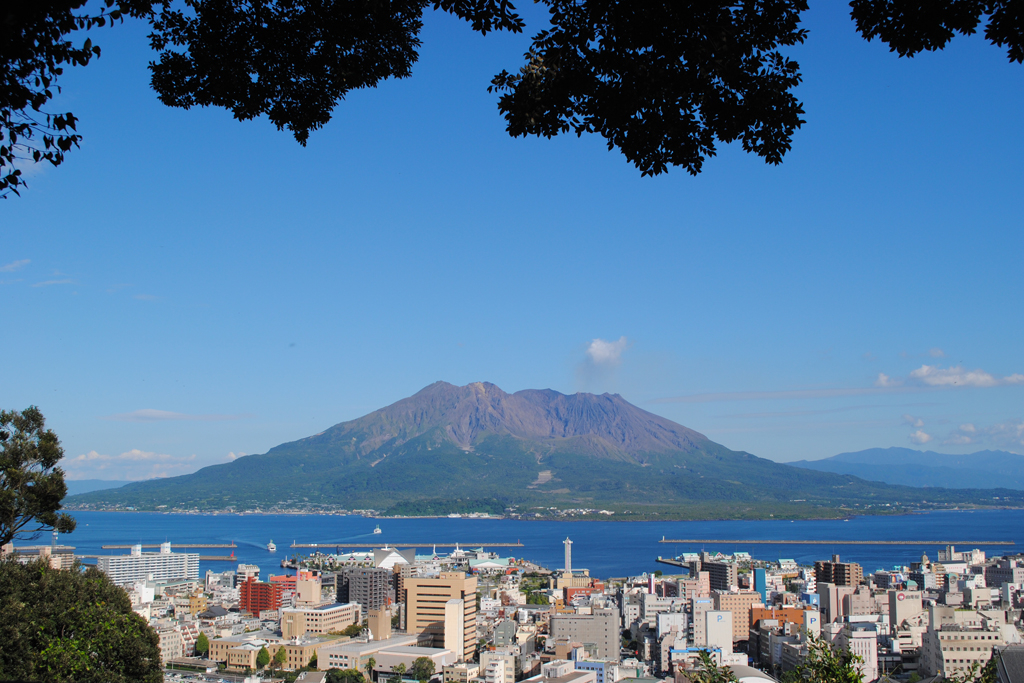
472, 615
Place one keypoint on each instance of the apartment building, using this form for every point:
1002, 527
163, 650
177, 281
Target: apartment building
426, 607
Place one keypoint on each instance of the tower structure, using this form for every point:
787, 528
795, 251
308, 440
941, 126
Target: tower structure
568, 556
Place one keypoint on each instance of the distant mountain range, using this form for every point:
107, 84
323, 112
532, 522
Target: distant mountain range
87, 485
909, 467
477, 448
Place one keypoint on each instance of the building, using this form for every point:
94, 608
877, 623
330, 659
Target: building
862, 640
600, 629
239, 651
1004, 571
460, 673
366, 585
718, 625
57, 556
355, 654
740, 604
426, 607
256, 597
162, 566
321, 620
502, 658
838, 573
722, 576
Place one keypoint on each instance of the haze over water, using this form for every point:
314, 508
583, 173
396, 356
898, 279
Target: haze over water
606, 548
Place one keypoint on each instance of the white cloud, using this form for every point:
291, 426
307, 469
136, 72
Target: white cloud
151, 415
913, 421
132, 465
607, 353
936, 353
920, 437
47, 283
235, 456
934, 376
15, 265
1008, 435
885, 380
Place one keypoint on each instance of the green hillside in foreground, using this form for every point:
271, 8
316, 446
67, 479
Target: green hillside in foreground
476, 448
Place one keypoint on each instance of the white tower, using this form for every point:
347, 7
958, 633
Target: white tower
568, 556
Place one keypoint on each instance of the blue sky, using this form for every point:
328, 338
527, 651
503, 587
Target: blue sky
188, 288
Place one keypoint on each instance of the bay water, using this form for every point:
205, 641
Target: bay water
607, 549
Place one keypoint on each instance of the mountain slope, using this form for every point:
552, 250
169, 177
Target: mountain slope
984, 469
532, 449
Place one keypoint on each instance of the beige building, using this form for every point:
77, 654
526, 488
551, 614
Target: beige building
319, 620
426, 607
461, 673
740, 604
239, 652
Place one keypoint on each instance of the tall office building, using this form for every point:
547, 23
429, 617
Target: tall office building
426, 603
138, 566
839, 573
601, 629
366, 585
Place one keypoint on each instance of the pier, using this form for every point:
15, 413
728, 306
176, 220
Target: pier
517, 544
202, 558
732, 541
173, 545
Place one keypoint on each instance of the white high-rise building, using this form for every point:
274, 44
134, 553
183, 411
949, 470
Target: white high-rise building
568, 556
140, 566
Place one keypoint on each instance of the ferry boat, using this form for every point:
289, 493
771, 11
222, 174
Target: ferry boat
377, 530
271, 547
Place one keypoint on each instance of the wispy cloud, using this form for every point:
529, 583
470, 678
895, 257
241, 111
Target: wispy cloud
913, 421
133, 465
15, 265
789, 394
1008, 435
235, 456
885, 380
934, 376
936, 352
920, 437
603, 352
151, 415
47, 283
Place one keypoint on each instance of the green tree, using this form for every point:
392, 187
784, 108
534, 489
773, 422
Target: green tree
826, 663
344, 676
262, 657
709, 672
370, 664
202, 645
31, 484
68, 625
312, 661
280, 657
422, 669
396, 673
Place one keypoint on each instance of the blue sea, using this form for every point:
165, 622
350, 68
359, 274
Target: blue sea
606, 548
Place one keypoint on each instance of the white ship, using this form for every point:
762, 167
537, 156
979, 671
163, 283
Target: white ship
376, 529
271, 547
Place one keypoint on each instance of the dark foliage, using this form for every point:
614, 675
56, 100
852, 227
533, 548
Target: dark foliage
662, 81
34, 49
31, 484
68, 625
910, 26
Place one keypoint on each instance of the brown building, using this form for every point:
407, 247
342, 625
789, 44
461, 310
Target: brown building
425, 600
791, 615
740, 604
838, 573
256, 596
